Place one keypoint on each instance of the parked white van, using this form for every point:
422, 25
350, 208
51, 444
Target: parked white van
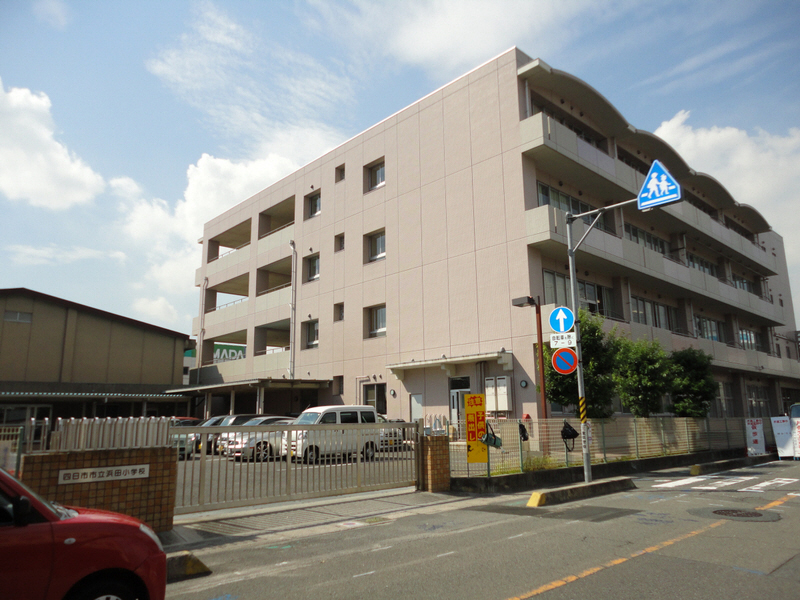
325, 438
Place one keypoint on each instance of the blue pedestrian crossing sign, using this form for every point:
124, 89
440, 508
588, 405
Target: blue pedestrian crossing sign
562, 319
659, 188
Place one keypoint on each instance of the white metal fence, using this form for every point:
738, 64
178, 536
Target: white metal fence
240, 466
611, 440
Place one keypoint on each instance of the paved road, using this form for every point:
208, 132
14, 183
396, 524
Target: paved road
729, 535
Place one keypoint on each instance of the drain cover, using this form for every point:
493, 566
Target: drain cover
742, 514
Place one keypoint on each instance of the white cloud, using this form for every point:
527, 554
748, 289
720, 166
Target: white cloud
34, 166
53, 12
156, 309
448, 37
250, 91
56, 255
759, 169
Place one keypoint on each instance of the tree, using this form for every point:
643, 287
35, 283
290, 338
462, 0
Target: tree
693, 388
644, 375
598, 351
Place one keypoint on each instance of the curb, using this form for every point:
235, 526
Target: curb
734, 463
185, 565
580, 491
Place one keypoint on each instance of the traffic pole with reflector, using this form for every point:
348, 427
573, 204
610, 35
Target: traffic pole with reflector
582, 409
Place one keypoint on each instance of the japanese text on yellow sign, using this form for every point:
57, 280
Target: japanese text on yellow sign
475, 409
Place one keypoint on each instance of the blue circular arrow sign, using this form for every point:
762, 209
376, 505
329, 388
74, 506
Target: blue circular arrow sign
565, 361
562, 319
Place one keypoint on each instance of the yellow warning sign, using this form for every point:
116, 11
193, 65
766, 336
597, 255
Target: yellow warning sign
475, 409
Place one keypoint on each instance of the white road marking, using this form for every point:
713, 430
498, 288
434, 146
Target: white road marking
445, 554
516, 536
363, 574
712, 482
760, 487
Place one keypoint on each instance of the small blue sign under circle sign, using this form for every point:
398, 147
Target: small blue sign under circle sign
562, 319
659, 188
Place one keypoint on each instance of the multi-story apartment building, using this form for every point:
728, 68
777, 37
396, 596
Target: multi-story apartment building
383, 272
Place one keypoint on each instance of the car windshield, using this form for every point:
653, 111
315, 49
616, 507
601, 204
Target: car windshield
307, 418
257, 421
58, 510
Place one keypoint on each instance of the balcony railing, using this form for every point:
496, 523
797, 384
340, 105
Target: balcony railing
215, 308
274, 289
231, 251
271, 231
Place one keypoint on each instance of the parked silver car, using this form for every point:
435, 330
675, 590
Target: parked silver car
256, 445
390, 439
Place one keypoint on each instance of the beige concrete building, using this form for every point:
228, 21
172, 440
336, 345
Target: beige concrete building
383, 272
63, 359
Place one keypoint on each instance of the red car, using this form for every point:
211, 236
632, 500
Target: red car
53, 552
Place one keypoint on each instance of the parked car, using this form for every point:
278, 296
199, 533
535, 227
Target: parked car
183, 441
313, 443
390, 439
53, 552
221, 439
197, 440
255, 445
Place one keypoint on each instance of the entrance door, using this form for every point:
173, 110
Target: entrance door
457, 405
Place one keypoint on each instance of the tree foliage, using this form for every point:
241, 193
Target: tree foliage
598, 350
693, 388
643, 376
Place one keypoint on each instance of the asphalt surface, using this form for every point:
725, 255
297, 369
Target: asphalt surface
729, 534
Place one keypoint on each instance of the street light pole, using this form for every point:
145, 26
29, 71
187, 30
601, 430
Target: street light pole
573, 284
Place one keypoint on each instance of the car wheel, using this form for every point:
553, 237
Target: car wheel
105, 589
369, 451
311, 455
263, 451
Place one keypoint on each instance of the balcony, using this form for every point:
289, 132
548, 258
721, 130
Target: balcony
275, 243
560, 152
603, 251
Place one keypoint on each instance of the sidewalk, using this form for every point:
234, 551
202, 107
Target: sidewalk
224, 526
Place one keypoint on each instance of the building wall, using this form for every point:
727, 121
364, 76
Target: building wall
466, 231
67, 345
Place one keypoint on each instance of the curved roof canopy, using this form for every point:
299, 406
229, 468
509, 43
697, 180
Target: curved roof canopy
541, 75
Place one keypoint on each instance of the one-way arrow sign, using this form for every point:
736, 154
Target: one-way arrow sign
562, 319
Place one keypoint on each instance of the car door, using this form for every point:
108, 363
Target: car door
26, 554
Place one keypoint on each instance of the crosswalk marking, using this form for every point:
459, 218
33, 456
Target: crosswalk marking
715, 482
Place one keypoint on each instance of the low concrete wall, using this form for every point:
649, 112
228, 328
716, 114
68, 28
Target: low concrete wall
530, 480
151, 498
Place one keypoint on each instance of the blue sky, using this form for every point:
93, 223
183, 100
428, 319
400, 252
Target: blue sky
124, 126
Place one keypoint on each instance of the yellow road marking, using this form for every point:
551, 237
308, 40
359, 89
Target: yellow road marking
774, 504
618, 561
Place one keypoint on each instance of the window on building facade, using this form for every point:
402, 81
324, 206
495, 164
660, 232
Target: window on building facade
710, 329
338, 243
655, 314
311, 333
558, 199
339, 173
594, 298
645, 238
743, 283
377, 175
377, 321
338, 385
14, 316
338, 311
375, 395
312, 267
313, 205
376, 243
723, 401
751, 340
757, 401
701, 264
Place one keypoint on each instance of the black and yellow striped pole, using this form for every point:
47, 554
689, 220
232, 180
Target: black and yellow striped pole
582, 409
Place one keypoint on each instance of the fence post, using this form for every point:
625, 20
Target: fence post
636, 437
663, 436
603, 437
20, 449
521, 462
727, 435
686, 426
